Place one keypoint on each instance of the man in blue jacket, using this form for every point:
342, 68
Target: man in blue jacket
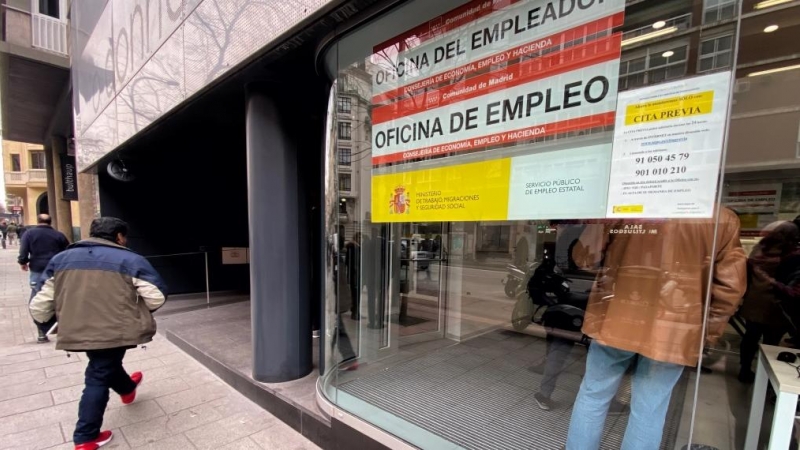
36, 249
104, 296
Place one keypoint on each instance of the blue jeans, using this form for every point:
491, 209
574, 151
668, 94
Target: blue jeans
651, 390
43, 327
104, 371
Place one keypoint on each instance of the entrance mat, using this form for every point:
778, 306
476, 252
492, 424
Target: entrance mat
479, 395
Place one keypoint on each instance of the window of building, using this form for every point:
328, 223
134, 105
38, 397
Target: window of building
657, 65
50, 8
343, 206
345, 156
345, 131
37, 160
716, 10
716, 53
15, 163
345, 182
344, 105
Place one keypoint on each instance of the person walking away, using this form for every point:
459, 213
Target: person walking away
12, 232
353, 258
647, 308
36, 249
761, 311
4, 231
104, 303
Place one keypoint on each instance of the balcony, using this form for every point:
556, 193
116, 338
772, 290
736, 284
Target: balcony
38, 176
49, 34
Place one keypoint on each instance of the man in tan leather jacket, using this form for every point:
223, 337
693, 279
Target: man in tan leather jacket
647, 307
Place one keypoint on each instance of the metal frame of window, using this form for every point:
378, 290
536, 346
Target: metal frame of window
345, 156
345, 131
345, 182
35, 156
344, 104
717, 56
638, 69
718, 8
16, 162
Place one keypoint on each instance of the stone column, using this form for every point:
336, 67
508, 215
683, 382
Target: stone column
279, 275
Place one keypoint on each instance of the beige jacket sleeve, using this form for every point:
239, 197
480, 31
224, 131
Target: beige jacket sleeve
43, 305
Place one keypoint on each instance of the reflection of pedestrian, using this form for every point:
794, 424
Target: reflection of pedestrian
655, 317
353, 260
760, 309
36, 249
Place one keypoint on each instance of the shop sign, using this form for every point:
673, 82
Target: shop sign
667, 148
69, 178
757, 205
483, 78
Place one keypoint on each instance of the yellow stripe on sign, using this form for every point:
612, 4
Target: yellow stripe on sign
670, 108
460, 193
629, 209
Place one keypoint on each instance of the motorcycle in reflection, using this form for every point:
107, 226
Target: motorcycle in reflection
548, 300
516, 278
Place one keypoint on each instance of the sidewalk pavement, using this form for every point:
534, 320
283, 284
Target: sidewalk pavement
180, 404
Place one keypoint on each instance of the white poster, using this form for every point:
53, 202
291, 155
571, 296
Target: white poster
667, 147
563, 184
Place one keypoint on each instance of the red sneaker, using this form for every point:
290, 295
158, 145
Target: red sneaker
127, 399
102, 439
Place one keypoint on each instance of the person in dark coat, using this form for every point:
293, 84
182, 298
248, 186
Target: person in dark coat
37, 247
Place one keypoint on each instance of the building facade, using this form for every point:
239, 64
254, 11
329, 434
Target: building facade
37, 105
474, 202
25, 180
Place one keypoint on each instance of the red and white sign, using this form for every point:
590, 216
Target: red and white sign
496, 72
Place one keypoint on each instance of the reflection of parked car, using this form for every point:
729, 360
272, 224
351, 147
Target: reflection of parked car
408, 251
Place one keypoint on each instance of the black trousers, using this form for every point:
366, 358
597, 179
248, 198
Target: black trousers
104, 372
753, 332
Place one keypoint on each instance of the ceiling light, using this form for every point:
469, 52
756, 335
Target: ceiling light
660, 24
653, 35
668, 53
770, 29
770, 71
769, 3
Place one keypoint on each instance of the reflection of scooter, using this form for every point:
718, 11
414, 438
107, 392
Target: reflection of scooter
548, 301
516, 278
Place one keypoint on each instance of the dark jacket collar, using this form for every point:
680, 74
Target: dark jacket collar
97, 242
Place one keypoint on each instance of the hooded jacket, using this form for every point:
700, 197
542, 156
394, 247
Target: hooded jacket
650, 296
102, 294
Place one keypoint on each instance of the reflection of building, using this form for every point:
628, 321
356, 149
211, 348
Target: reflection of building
26, 179
355, 143
36, 104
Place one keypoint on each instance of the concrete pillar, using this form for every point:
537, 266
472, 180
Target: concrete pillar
88, 201
279, 275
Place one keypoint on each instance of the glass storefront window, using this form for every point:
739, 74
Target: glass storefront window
562, 222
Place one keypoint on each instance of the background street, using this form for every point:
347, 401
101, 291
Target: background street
180, 405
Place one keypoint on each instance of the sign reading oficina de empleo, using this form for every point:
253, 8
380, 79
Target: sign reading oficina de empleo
482, 113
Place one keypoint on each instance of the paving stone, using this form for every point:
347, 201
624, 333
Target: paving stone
242, 444
177, 442
230, 429
144, 433
282, 437
197, 395
42, 437
25, 404
22, 377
